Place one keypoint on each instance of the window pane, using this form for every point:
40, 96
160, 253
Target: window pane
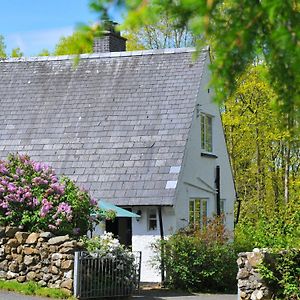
197, 211
204, 212
152, 220
152, 224
192, 213
206, 133
202, 132
152, 214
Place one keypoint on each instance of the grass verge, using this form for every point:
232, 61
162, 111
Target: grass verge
34, 289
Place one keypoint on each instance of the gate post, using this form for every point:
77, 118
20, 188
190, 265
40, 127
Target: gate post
76, 275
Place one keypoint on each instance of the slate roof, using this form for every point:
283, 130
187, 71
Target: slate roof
116, 123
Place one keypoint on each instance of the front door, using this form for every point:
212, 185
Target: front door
121, 227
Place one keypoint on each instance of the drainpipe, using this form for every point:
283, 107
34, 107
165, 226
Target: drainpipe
218, 188
162, 265
238, 209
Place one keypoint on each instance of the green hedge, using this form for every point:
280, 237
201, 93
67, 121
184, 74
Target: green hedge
201, 260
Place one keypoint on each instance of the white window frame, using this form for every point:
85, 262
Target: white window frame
150, 218
198, 212
206, 124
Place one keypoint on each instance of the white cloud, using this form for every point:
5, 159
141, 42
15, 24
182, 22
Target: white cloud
32, 42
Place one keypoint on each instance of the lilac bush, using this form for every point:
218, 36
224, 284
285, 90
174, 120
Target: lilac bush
32, 196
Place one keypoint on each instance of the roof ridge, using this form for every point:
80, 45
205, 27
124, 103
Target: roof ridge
104, 55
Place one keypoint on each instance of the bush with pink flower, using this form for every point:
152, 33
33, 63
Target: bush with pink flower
32, 196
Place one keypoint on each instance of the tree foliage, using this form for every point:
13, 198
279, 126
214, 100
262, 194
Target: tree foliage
2, 47
77, 43
240, 32
265, 161
16, 52
160, 35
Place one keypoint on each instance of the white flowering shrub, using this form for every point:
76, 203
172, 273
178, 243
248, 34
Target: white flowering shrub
107, 246
117, 261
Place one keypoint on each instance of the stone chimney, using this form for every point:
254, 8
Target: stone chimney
110, 41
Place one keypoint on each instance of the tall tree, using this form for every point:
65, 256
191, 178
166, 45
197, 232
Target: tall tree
159, 35
265, 158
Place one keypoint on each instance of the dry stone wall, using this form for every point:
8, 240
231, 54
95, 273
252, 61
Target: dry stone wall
250, 284
40, 257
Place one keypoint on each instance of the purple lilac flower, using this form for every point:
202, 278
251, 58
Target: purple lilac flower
11, 187
19, 171
3, 204
35, 202
3, 169
28, 195
50, 226
58, 188
54, 178
93, 202
64, 207
46, 207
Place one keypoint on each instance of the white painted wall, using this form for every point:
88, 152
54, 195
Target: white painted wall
142, 239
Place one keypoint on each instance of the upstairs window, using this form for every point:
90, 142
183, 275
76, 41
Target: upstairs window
152, 219
198, 212
206, 133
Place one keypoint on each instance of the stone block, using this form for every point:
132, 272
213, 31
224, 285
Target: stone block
21, 236
58, 240
11, 275
13, 243
31, 275
254, 258
47, 277
67, 284
46, 235
56, 256
28, 260
11, 231
30, 251
243, 273
13, 267
21, 278
4, 265
54, 270
67, 264
32, 238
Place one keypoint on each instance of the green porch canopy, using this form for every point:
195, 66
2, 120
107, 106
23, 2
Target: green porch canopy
120, 212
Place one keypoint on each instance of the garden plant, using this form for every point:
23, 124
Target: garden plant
34, 198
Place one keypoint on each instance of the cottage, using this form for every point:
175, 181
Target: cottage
137, 129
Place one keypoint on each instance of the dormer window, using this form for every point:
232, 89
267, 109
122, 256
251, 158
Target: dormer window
206, 133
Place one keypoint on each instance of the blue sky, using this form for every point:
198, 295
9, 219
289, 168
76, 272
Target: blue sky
34, 25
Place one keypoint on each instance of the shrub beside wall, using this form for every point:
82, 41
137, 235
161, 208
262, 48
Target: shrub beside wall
40, 257
201, 260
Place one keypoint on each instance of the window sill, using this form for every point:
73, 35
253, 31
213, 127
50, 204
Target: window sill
209, 155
